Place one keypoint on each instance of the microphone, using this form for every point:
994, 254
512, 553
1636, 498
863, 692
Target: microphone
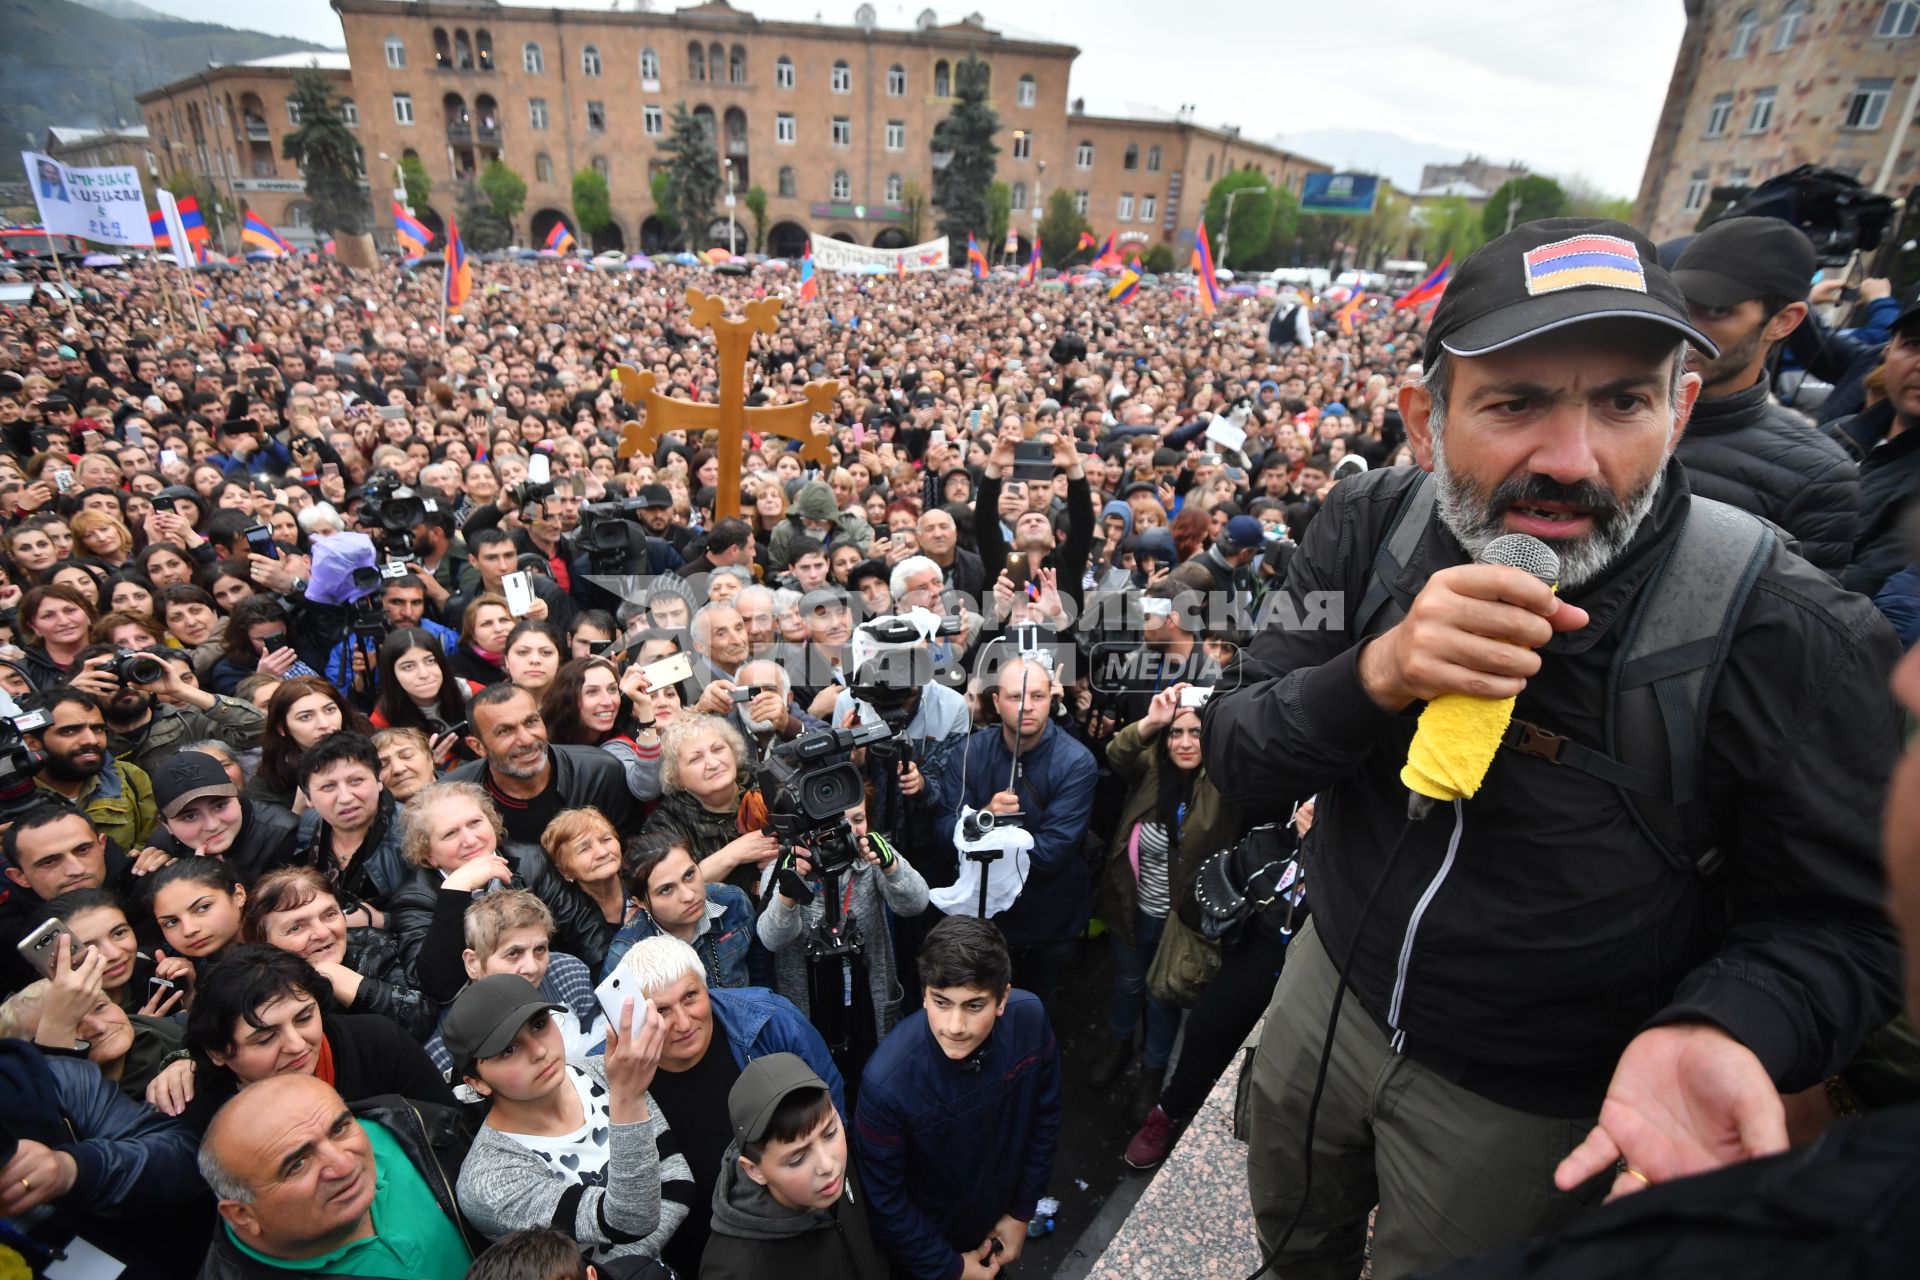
1454, 743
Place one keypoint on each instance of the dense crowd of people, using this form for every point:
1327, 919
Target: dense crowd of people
437, 839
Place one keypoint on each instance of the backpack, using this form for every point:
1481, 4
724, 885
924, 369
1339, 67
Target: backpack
1662, 678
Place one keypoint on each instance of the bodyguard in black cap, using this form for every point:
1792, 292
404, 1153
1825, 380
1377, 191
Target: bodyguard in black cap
1659, 909
1746, 282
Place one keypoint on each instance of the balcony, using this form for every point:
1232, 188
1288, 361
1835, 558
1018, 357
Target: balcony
459, 131
256, 130
488, 132
736, 146
262, 169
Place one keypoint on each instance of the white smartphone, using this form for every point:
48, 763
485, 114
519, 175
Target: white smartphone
1195, 695
613, 993
391, 412
669, 670
539, 470
168, 457
518, 588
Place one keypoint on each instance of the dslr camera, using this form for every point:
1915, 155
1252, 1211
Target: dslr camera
136, 666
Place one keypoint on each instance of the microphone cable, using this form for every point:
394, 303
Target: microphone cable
1326, 1049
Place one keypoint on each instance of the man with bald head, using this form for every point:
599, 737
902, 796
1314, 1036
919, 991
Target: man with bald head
308, 1186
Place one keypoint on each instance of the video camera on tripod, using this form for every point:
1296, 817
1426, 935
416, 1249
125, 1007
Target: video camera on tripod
808, 793
606, 534
389, 511
19, 763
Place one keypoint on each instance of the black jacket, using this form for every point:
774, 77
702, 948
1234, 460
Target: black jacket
1069, 557
268, 840
1558, 932
1751, 452
1889, 478
581, 776
427, 920
756, 1238
434, 1136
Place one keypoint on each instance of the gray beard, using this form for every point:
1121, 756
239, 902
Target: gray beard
1465, 511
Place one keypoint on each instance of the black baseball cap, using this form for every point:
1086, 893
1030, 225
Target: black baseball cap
1910, 309
187, 776
1549, 274
1738, 259
763, 1085
485, 1017
655, 497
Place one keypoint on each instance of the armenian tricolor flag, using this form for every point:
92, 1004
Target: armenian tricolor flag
414, 235
976, 259
1203, 270
459, 275
1347, 314
560, 240
191, 221
809, 287
1109, 255
1032, 272
256, 231
1126, 287
158, 221
1436, 282
1086, 241
1581, 260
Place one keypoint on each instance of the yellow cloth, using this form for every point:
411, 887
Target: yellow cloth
1454, 745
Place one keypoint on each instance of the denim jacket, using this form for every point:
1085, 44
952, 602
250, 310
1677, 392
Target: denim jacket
722, 942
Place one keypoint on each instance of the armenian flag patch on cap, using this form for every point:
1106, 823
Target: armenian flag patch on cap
1608, 261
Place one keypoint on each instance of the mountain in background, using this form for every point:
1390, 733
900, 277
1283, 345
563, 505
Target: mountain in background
70, 64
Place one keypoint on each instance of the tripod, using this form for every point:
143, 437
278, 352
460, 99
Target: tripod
839, 993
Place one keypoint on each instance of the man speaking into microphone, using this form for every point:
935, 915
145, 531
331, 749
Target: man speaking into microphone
1599, 965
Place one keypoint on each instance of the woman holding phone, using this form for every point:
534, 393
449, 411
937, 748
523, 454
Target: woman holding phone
592, 703
416, 688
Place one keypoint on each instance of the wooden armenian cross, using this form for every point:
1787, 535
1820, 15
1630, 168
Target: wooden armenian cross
731, 417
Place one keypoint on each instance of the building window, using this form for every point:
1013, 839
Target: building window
895, 186
1027, 93
1083, 155
403, 108
536, 113
293, 111
1131, 160
600, 166
842, 131
1718, 115
1744, 29
1740, 178
1125, 211
1209, 168
896, 135
349, 113
1080, 203
1147, 205
597, 116
652, 120
842, 185
1019, 200
543, 168
397, 52
1696, 192
1153, 159
737, 65
590, 60
942, 80
787, 185
1760, 111
1788, 26
1899, 20
483, 48
649, 66
1022, 144
783, 73
784, 129
532, 60
1868, 105
696, 61
842, 79
896, 81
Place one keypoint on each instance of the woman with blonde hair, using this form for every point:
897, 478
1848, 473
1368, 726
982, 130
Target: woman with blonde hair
708, 804
101, 537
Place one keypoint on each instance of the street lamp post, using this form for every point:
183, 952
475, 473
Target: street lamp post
1226, 224
733, 238
1038, 184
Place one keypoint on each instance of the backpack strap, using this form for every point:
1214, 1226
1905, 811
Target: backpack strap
1665, 669
1396, 551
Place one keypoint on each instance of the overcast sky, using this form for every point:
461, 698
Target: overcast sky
1571, 88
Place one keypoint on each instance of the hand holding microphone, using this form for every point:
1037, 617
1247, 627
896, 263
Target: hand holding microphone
1467, 648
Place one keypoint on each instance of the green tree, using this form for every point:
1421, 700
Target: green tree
913, 203
413, 176
1534, 196
660, 187
1245, 239
481, 229
1159, 259
756, 202
505, 190
1383, 233
960, 189
1451, 226
592, 205
693, 175
999, 212
328, 156
1585, 200
1060, 227
1286, 226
